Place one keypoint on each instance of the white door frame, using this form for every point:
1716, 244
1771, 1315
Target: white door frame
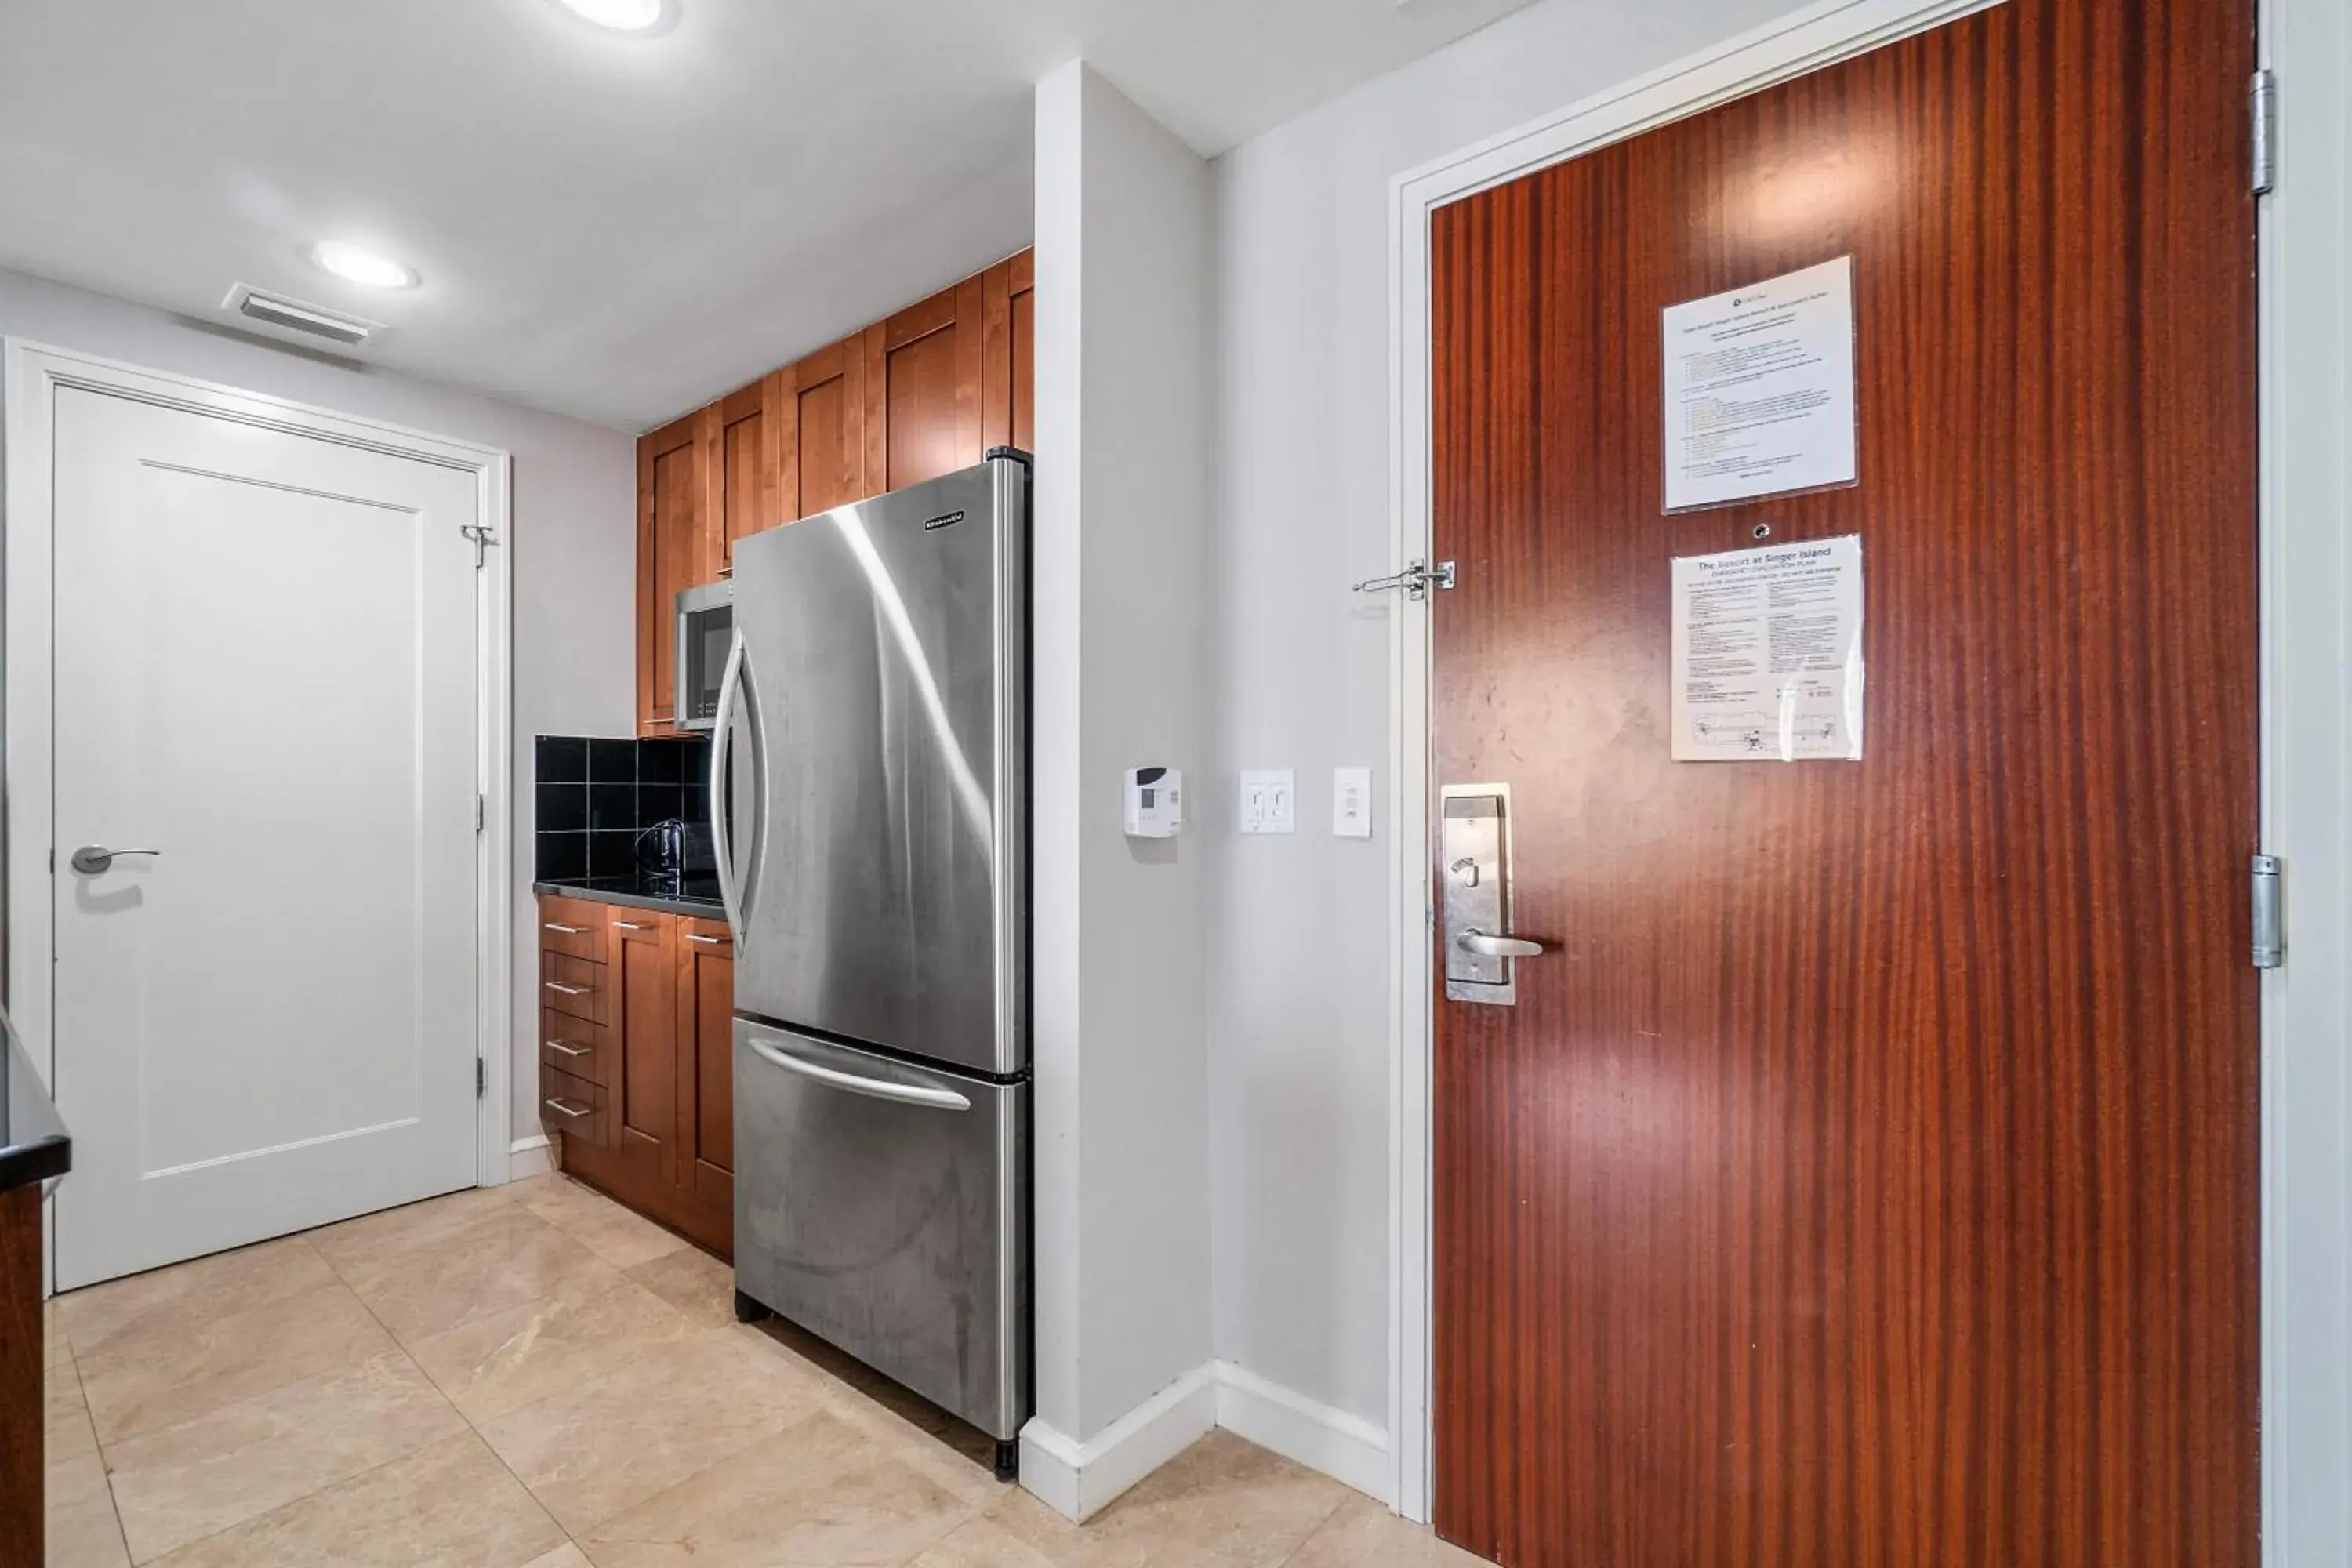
2307, 1180
35, 374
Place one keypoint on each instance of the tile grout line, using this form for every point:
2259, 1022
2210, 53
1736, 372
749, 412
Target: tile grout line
472, 1426
105, 1470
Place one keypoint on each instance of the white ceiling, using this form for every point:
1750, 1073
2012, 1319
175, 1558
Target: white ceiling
612, 226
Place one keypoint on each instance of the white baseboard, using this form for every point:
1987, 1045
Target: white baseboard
1348, 1448
1079, 1479
531, 1157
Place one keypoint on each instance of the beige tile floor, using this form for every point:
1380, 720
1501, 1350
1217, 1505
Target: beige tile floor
533, 1377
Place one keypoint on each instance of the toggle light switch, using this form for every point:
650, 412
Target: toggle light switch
1268, 800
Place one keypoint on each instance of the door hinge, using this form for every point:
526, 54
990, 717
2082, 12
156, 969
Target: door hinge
481, 813
1417, 579
481, 1078
2262, 105
483, 537
2270, 940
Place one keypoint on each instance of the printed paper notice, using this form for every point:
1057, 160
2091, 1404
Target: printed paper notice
1768, 653
1759, 389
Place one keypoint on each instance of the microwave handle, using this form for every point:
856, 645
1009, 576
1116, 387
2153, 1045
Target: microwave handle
722, 742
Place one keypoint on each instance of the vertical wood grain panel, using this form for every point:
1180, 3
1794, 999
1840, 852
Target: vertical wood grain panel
831, 420
871, 349
931, 367
1870, 1175
23, 1359
672, 502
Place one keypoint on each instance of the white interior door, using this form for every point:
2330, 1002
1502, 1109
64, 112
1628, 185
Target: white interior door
266, 674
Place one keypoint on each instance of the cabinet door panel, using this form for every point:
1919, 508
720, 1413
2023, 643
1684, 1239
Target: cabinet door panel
1009, 390
645, 960
931, 357
671, 487
706, 1039
744, 468
829, 409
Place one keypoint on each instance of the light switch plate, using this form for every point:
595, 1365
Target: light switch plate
1268, 800
1351, 803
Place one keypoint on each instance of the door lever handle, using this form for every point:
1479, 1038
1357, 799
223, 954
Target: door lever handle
97, 859
1485, 946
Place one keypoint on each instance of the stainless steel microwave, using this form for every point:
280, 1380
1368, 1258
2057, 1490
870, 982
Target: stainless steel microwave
705, 630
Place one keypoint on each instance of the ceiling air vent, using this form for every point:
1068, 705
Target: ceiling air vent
295, 316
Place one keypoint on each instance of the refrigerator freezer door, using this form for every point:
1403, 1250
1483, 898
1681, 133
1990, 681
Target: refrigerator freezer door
885, 1208
883, 889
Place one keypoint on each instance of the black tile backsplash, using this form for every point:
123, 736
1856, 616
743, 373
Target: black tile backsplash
562, 759
595, 796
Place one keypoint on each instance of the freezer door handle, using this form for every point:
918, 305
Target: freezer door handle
776, 1054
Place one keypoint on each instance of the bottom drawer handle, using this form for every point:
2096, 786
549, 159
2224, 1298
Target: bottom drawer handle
574, 1112
567, 1048
558, 985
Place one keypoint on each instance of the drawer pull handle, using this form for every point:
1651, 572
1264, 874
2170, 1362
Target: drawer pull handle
574, 1111
632, 925
567, 990
568, 1048
707, 941
558, 926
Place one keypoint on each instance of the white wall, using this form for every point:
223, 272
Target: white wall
1299, 980
2307, 278
574, 561
1123, 489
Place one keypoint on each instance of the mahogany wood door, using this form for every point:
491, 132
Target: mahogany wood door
643, 1109
705, 1080
927, 361
826, 464
1009, 384
1867, 1176
746, 431
673, 499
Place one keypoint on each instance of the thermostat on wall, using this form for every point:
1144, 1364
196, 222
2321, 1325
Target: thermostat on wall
1155, 803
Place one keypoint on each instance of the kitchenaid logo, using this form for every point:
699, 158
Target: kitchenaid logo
945, 519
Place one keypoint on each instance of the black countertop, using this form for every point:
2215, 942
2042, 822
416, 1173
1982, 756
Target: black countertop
696, 896
33, 1142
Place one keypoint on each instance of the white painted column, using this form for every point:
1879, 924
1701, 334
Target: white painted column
1124, 341
2306, 282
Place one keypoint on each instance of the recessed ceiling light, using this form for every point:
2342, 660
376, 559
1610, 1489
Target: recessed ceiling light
621, 15
353, 265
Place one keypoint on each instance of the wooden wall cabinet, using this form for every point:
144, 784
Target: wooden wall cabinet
636, 1059
924, 393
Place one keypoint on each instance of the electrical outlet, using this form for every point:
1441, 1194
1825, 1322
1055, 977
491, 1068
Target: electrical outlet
1268, 800
1351, 803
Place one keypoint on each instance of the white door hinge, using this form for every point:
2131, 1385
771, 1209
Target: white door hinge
481, 1078
481, 813
2269, 939
2262, 105
483, 538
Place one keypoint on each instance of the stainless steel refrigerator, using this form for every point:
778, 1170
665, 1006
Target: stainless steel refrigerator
870, 790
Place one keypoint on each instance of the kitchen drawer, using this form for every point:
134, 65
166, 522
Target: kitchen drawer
575, 986
572, 928
571, 1106
577, 1047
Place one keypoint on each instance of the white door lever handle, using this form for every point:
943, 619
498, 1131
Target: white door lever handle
1484, 946
97, 859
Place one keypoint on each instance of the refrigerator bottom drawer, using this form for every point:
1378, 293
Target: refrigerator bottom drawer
886, 1208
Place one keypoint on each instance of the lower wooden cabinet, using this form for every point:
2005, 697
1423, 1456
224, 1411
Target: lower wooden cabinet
636, 1059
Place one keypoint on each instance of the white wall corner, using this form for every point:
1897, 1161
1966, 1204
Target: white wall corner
1079, 1479
532, 1156
1348, 1448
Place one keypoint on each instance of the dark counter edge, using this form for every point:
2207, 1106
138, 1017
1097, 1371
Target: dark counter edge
35, 1147
699, 909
